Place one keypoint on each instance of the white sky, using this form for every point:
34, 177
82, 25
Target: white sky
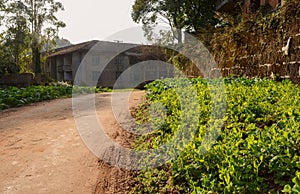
97, 20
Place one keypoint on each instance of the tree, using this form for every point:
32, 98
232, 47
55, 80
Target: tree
61, 42
189, 15
151, 12
30, 24
199, 15
6, 64
40, 13
17, 33
196, 17
12, 38
2, 8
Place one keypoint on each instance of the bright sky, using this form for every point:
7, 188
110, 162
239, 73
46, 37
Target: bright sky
98, 19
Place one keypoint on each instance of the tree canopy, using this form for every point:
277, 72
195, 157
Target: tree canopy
29, 25
188, 15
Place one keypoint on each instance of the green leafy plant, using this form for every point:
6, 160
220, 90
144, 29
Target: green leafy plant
257, 149
15, 97
296, 187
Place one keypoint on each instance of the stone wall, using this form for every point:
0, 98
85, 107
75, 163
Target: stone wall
287, 68
290, 70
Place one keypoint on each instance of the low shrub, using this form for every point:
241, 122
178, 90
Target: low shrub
15, 97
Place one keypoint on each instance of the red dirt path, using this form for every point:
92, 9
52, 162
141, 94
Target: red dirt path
42, 152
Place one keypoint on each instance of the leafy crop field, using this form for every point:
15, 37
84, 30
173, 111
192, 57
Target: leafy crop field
257, 149
15, 97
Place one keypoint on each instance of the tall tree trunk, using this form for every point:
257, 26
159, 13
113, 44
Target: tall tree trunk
178, 30
36, 59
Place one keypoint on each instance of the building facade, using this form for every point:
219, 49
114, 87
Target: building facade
102, 63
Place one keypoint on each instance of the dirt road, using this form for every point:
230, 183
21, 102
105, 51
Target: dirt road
42, 152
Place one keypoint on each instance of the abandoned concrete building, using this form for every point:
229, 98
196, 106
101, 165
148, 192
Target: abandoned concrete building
101, 63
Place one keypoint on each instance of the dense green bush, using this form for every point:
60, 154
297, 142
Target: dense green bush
257, 150
14, 97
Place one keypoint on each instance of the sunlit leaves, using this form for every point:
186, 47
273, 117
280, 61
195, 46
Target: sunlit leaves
257, 150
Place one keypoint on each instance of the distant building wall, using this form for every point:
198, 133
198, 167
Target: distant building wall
76, 60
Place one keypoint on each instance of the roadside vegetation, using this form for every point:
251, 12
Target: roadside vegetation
257, 149
16, 97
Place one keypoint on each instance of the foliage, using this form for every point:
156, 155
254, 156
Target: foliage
41, 13
191, 15
2, 7
61, 42
16, 37
257, 149
296, 187
30, 24
15, 97
6, 63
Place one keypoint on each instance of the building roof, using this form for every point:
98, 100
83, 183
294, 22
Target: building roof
100, 46
69, 49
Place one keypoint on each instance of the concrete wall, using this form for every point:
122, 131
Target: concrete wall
113, 70
19, 80
76, 60
67, 67
59, 68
